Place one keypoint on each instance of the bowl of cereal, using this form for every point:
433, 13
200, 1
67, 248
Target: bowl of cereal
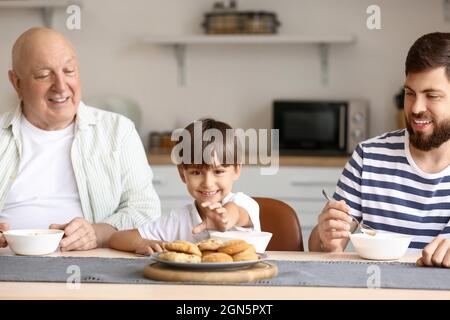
259, 239
33, 242
382, 246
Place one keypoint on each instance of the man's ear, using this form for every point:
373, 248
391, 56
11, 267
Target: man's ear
181, 172
15, 81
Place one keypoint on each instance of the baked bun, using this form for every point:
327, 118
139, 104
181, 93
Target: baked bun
210, 244
217, 257
183, 247
180, 257
206, 252
232, 247
246, 255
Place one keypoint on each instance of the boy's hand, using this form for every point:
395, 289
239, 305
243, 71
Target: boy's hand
217, 218
3, 227
436, 254
147, 247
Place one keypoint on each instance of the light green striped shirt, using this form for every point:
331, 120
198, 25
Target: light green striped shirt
111, 170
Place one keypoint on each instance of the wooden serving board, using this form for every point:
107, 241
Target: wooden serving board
258, 271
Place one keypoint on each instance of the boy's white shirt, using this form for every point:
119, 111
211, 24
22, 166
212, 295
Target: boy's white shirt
178, 224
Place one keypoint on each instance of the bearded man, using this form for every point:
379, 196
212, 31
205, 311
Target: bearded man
400, 181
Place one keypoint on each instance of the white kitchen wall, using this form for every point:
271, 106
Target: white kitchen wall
234, 83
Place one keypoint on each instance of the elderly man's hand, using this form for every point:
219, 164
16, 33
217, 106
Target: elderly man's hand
3, 227
436, 254
78, 235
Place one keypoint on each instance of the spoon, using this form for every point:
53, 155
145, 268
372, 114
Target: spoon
364, 227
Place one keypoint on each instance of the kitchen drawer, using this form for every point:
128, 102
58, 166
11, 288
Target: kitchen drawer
300, 183
303, 183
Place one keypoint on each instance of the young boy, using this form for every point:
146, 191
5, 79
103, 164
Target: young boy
210, 183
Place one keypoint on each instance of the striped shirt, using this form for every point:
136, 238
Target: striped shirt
383, 184
113, 178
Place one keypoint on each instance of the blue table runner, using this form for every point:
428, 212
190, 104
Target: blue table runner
290, 273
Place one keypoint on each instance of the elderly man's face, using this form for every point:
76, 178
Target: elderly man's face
427, 108
48, 82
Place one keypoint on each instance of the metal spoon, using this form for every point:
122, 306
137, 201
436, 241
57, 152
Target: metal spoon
364, 227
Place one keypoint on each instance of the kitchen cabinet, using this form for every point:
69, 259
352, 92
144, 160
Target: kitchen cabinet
300, 187
179, 44
46, 7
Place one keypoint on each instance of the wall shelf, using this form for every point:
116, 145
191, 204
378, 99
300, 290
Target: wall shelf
46, 7
179, 44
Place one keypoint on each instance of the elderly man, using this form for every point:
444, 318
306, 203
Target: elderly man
63, 164
400, 181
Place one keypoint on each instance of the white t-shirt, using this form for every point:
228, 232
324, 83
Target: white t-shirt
178, 224
44, 190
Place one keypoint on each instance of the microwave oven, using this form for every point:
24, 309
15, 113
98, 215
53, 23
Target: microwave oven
320, 127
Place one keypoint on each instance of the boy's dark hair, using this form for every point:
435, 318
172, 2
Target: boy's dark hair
430, 51
227, 152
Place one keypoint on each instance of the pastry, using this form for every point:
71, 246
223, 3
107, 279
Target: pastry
217, 257
210, 244
234, 246
183, 246
180, 257
206, 252
246, 255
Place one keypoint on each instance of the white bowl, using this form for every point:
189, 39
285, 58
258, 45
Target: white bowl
382, 246
33, 242
259, 240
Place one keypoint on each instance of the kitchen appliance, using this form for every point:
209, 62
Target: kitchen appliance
316, 127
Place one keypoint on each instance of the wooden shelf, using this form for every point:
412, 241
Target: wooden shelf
179, 43
46, 7
249, 39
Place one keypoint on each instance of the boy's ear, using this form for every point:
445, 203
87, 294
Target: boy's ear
181, 173
237, 172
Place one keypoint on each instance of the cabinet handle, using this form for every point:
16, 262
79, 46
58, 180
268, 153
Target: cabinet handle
308, 183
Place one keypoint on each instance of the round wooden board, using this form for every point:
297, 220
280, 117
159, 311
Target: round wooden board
258, 271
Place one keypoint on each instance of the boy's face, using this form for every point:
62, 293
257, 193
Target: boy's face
209, 183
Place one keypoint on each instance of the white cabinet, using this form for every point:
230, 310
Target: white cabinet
300, 187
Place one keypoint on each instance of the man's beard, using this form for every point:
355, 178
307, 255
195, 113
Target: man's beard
440, 134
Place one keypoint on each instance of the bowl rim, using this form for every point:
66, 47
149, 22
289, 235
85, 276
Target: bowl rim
396, 236
230, 233
43, 232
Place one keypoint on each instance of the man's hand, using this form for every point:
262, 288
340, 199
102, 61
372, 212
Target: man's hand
217, 217
78, 235
334, 225
436, 254
3, 227
148, 247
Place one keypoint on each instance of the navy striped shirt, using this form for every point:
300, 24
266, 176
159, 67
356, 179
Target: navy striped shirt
382, 183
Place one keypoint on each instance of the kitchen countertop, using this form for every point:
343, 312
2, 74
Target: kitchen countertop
307, 161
